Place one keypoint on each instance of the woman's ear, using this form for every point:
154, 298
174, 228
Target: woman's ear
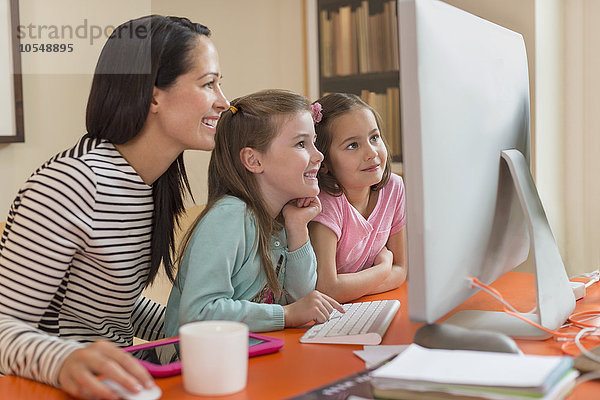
324, 168
251, 159
156, 92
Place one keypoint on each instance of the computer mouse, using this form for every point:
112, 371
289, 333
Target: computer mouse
452, 337
153, 393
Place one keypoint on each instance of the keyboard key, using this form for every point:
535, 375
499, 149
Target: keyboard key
363, 323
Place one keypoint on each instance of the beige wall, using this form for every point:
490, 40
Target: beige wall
581, 134
260, 44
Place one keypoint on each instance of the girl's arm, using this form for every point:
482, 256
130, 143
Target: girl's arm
220, 248
397, 245
343, 287
300, 273
301, 265
304, 304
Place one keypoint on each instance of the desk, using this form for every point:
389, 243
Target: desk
300, 367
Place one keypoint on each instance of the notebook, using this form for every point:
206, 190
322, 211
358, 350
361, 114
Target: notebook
419, 373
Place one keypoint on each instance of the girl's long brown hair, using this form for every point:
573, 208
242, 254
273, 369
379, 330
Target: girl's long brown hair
255, 124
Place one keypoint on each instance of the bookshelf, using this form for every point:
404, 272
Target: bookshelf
358, 53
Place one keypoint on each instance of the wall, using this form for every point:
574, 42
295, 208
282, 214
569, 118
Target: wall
581, 139
260, 45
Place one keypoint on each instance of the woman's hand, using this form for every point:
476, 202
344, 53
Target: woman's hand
315, 306
80, 371
297, 214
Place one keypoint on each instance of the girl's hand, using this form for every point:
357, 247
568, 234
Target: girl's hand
79, 373
315, 306
299, 212
384, 257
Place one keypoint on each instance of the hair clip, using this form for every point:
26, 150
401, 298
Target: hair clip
315, 109
233, 109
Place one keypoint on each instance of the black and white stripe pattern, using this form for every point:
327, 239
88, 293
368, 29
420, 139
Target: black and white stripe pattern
74, 258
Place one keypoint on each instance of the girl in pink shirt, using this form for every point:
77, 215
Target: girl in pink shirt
359, 237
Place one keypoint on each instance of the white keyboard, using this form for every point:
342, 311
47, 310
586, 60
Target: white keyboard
362, 323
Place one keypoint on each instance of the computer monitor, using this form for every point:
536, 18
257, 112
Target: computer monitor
473, 209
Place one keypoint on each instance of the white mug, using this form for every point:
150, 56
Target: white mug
214, 357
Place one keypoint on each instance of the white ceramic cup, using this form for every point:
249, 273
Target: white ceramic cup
214, 357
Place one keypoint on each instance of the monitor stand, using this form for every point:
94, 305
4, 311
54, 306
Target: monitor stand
555, 299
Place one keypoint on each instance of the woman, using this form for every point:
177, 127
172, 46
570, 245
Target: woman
90, 228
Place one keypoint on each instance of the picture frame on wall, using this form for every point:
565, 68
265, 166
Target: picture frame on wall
11, 83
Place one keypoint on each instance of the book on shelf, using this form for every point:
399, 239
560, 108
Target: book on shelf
358, 39
362, 30
325, 44
392, 23
420, 373
344, 43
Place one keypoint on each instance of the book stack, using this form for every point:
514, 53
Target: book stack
359, 40
420, 373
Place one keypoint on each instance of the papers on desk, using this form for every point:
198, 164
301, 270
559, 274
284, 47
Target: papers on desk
375, 355
420, 373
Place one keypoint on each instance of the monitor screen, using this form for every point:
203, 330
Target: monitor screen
472, 207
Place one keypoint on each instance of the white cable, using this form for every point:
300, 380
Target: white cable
587, 377
592, 277
583, 350
592, 316
591, 282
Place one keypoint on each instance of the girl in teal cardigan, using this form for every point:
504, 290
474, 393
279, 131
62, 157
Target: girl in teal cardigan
248, 257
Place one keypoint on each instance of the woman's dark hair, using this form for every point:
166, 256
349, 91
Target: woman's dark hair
139, 55
335, 105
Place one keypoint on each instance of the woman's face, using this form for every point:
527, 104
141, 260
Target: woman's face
188, 110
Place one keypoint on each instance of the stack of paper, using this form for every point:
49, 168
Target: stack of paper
375, 355
420, 373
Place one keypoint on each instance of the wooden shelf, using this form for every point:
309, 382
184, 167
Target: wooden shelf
376, 5
376, 81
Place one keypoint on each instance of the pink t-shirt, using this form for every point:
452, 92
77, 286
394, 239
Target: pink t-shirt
360, 239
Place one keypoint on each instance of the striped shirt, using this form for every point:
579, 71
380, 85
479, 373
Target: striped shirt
74, 258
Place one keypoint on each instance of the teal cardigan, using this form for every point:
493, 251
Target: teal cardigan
221, 272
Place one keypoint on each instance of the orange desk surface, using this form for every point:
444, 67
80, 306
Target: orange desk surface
299, 367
